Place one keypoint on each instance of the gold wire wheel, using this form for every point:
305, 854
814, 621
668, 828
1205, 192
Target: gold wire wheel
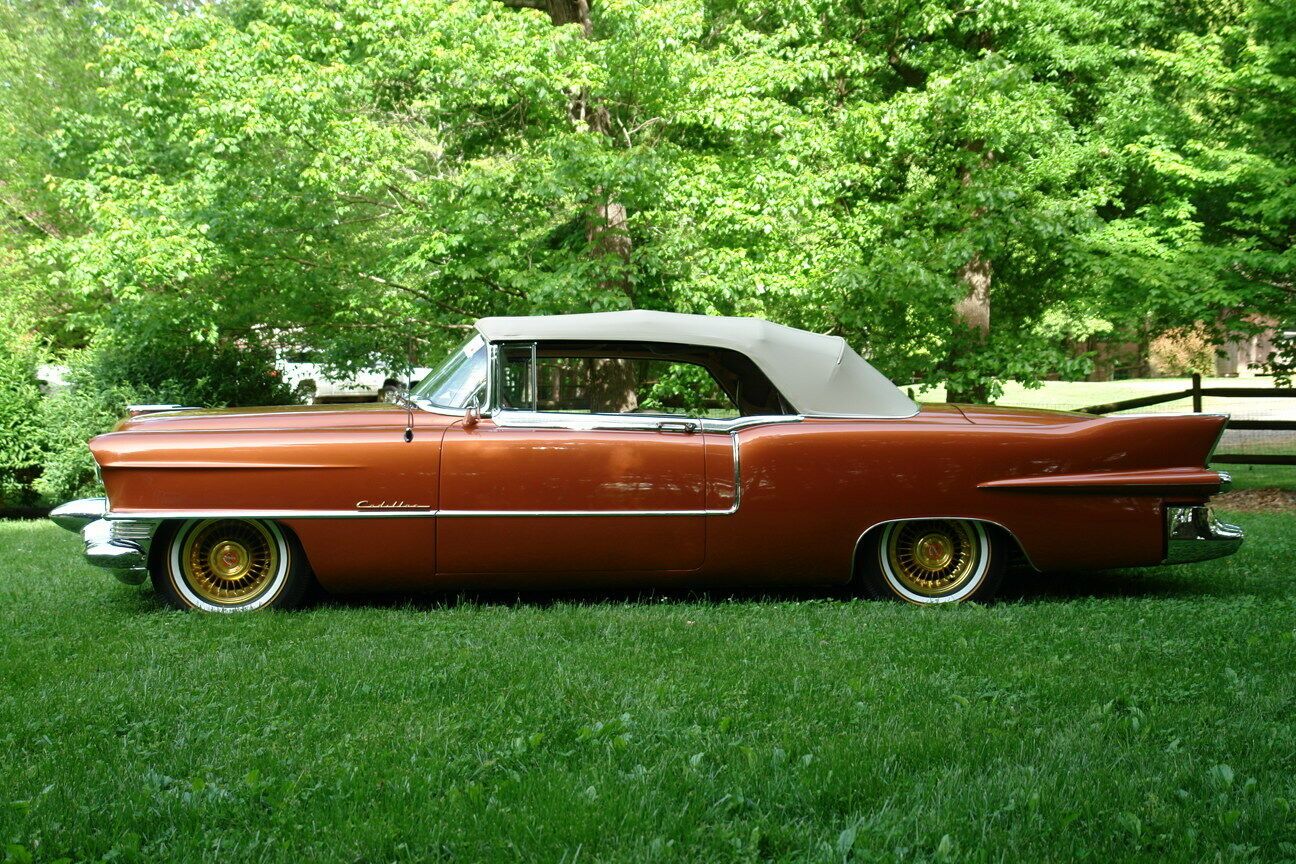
933, 558
229, 561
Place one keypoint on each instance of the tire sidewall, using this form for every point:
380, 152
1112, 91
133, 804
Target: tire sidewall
183, 595
985, 567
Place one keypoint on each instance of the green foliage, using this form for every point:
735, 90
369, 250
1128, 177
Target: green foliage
22, 436
185, 372
122, 369
371, 174
71, 418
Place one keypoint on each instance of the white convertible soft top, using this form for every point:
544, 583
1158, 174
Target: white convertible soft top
818, 375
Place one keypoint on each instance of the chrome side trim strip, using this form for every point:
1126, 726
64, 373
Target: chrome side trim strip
737, 460
462, 514
738, 423
1141, 414
582, 423
156, 515
217, 513
829, 416
1219, 436
159, 408
630, 422
998, 525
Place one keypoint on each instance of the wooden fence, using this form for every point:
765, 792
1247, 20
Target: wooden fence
1197, 391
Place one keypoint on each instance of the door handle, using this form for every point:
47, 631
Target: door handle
686, 427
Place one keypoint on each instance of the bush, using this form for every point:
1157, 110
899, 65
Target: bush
71, 418
22, 441
118, 371
1182, 351
187, 372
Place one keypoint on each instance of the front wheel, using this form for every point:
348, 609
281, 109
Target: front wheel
230, 565
929, 561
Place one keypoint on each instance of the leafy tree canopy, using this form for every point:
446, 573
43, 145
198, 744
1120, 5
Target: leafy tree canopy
363, 175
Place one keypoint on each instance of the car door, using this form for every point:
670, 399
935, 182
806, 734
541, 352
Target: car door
574, 471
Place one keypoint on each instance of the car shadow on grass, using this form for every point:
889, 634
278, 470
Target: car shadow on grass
1020, 586
1198, 580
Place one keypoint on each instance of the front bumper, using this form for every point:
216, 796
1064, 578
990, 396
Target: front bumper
120, 546
1194, 534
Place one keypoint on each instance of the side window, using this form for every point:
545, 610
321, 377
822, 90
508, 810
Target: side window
603, 382
516, 379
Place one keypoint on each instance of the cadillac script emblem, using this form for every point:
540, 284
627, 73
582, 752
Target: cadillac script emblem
390, 505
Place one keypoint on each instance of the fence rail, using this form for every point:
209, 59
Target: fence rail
1197, 392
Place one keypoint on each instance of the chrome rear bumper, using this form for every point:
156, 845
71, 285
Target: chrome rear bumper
1194, 534
120, 546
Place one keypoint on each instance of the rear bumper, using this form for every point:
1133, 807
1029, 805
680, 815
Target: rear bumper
1194, 534
120, 546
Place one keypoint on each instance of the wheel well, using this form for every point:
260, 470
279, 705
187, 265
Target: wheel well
1011, 545
298, 546
160, 541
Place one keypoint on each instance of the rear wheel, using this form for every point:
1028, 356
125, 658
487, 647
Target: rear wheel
929, 561
230, 565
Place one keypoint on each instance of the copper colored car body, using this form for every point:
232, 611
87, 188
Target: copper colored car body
390, 497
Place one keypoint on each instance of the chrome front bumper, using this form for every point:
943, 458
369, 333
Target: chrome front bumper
120, 546
1194, 534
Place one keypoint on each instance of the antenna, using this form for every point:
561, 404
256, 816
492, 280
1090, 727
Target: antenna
409, 386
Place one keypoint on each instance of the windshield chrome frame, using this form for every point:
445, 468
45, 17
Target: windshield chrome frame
487, 408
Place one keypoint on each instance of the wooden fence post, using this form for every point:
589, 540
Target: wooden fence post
1196, 393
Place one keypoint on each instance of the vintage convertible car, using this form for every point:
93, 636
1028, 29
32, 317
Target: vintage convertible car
642, 448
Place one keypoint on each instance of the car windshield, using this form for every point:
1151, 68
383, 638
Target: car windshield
459, 379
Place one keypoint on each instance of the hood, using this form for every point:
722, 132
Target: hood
268, 417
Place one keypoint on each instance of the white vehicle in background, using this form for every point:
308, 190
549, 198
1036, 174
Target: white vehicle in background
51, 378
312, 385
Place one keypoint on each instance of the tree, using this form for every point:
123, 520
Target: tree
606, 230
359, 175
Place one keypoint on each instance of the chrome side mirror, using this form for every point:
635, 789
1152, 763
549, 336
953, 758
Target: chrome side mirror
472, 414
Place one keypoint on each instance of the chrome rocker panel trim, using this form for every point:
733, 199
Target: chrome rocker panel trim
120, 546
1194, 534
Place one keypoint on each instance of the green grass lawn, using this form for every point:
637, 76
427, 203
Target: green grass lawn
1261, 476
1116, 716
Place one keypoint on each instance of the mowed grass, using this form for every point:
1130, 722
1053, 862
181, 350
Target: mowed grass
1118, 716
1262, 476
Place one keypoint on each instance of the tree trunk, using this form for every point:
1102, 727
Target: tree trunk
972, 313
606, 230
972, 318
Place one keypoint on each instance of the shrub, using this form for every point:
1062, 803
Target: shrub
1182, 351
22, 441
187, 372
71, 418
118, 371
